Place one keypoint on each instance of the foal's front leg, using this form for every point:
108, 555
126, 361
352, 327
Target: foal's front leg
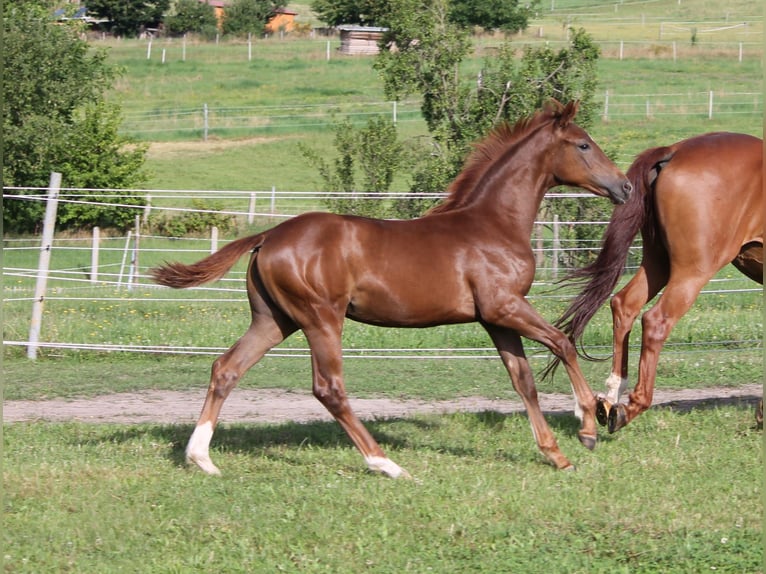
521, 317
511, 351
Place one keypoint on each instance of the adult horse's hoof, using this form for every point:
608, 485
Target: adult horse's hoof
617, 419
589, 441
602, 411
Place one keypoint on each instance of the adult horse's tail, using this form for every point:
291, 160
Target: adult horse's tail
602, 275
215, 266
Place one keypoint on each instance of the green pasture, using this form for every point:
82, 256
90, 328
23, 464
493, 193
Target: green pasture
287, 92
677, 491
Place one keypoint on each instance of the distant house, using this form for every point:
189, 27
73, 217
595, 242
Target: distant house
218, 7
283, 19
360, 39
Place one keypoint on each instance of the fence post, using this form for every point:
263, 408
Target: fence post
147, 208
94, 255
556, 247
710, 105
49, 223
273, 198
204, 122
606, 106
134, 261
251, 209
213, 239
394, 112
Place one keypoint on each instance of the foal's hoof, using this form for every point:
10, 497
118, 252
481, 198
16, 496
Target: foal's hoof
602, 411
617, 419
588, 441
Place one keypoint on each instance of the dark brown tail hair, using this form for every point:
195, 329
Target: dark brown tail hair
600, 277
211, 268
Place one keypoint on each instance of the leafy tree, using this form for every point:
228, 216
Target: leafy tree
191, 16
429, 50
505, 15
244, 17
362, 12
372, 151
129, 17
56, 119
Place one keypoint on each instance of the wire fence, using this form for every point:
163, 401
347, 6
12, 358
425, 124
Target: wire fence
112, 268
206, 121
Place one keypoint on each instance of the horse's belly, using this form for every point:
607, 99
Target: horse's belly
414, 308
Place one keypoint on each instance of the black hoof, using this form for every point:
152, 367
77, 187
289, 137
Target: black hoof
617, 418
588, 441
602, 411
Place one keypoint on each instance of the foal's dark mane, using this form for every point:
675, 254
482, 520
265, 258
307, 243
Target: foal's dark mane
502, 138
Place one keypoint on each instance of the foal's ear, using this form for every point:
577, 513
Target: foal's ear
568, 113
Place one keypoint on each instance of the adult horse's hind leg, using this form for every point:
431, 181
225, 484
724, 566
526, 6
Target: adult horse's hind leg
626, 305
263, 334
511, 351
324, 338
657, 323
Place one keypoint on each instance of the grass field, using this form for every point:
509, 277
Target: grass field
677, 491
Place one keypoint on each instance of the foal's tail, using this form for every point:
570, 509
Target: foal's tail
600, 277
211, 268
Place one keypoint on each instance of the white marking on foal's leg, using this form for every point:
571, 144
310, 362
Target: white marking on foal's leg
577, 408
615, 387
197, 451
386, 466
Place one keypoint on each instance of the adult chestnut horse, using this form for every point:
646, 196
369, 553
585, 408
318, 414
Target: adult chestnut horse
699, 205
469, 259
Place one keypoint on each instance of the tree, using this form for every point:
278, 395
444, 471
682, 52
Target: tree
191, 16
505, 15
129, 17
429, 48
56, 117
373, 151
244, 17
362, 12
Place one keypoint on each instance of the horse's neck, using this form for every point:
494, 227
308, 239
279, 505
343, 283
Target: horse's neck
516, 189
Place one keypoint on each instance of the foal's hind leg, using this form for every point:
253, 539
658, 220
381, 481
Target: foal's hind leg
511, 351
262, 335
326, 360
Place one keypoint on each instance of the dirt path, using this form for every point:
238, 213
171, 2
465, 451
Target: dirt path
275, 406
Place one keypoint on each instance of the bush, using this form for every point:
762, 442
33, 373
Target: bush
193, 222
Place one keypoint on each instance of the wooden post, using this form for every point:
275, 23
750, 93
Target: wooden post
134, 261
213, 239
49, 223
94, 255
204, 116
251, 209
556, 248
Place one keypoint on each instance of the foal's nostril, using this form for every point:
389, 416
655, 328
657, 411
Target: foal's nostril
627, 187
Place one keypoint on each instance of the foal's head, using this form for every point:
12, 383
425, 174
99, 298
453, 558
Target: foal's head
577, 160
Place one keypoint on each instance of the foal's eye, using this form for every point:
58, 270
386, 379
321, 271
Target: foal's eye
584, 146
